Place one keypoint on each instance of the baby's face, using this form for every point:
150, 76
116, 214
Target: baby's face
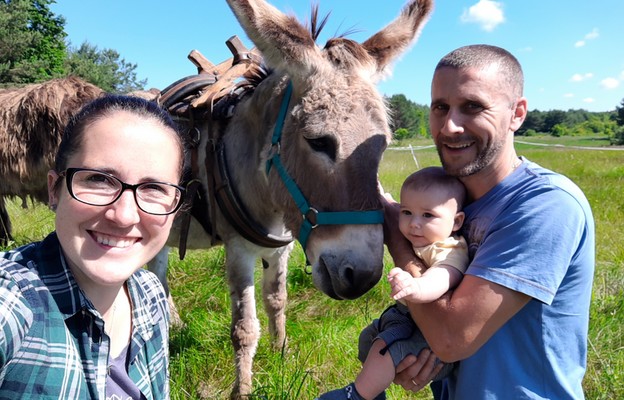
428, 216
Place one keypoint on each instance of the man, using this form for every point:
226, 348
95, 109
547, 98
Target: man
519, 319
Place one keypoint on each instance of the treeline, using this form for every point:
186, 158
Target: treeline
33, 49
411, 120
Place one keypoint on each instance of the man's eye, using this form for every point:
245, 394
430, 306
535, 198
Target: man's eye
439, 108
473, 107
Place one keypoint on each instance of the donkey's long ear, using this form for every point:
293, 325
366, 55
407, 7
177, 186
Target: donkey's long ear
283, 41
389, 43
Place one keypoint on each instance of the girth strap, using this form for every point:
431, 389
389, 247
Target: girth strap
235, 213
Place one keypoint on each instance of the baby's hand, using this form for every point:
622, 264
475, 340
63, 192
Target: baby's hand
402, 283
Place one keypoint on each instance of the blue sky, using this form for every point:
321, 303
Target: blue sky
572, 51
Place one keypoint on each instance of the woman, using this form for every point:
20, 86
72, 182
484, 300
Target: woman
80, 316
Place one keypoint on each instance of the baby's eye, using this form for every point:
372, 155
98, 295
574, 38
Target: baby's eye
428, 215
406, 212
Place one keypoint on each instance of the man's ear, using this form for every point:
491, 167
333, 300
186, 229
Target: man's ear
519, 114
458, 220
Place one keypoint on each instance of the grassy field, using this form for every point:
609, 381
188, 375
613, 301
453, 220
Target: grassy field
322, 347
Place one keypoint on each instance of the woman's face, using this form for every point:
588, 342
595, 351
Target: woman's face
104, 245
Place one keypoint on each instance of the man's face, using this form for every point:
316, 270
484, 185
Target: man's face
471, 115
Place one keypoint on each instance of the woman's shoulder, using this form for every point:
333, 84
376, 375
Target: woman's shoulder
146, 289
147, 281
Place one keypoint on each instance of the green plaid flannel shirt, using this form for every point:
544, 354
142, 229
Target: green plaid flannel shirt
52, 342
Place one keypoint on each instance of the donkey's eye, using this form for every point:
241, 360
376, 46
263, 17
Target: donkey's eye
325, 145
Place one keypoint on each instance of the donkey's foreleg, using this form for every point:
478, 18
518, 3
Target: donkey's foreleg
5, 224
245, 328
158, 265
274, 293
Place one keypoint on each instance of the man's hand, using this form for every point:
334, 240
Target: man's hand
414, 373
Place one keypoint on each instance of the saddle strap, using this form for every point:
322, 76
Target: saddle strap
191, 191
236, 215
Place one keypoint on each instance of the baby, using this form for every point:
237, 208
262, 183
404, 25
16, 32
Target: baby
430, 215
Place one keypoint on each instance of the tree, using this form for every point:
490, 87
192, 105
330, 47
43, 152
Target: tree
32, 41
618, 136
619, 118
408, 115
103, 68
534, 121
552, 118
33, 49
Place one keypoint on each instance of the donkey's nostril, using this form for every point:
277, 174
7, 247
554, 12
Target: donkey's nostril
348, 275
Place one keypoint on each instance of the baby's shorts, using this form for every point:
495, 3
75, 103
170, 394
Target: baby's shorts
402, 337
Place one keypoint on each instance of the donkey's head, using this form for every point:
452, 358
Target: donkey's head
334, 133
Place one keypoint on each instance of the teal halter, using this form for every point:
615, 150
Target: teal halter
311, 217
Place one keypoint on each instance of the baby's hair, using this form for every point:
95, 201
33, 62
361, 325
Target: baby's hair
435, 177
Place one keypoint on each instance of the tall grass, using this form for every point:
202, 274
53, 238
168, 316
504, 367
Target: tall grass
322, 333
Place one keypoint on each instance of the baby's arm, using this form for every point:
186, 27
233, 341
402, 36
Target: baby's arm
428, 287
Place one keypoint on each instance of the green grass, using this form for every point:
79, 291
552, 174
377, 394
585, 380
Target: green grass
322, 333
590, 141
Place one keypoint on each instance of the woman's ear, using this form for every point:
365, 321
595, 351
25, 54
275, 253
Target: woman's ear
53, 178
458, 220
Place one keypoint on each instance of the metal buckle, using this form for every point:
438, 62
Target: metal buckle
311, 212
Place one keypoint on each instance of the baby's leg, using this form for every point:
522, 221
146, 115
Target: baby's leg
377, 372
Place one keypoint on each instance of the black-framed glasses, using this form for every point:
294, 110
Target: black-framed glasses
99, 188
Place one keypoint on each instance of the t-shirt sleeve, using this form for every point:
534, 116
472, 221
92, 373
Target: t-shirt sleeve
531, 243
452, 252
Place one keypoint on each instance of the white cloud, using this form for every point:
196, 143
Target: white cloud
581, 77
568, 95
486, 13
527, 49
609, 83
588, 100
590, 36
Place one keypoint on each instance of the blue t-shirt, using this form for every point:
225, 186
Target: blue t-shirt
532, 233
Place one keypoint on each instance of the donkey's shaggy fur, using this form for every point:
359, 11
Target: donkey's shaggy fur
32, 119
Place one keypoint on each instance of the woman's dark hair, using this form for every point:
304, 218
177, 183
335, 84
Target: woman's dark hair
106, 105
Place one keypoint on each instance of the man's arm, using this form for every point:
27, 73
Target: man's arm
461, 321
458, 324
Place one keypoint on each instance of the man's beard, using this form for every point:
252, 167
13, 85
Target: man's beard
485, 156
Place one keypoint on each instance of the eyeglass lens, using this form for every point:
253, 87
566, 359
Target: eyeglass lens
101, 189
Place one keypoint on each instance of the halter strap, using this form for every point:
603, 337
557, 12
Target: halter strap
311, 217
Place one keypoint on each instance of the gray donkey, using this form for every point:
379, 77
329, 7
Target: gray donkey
299, 150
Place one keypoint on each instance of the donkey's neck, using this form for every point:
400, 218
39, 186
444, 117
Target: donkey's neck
247, 144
